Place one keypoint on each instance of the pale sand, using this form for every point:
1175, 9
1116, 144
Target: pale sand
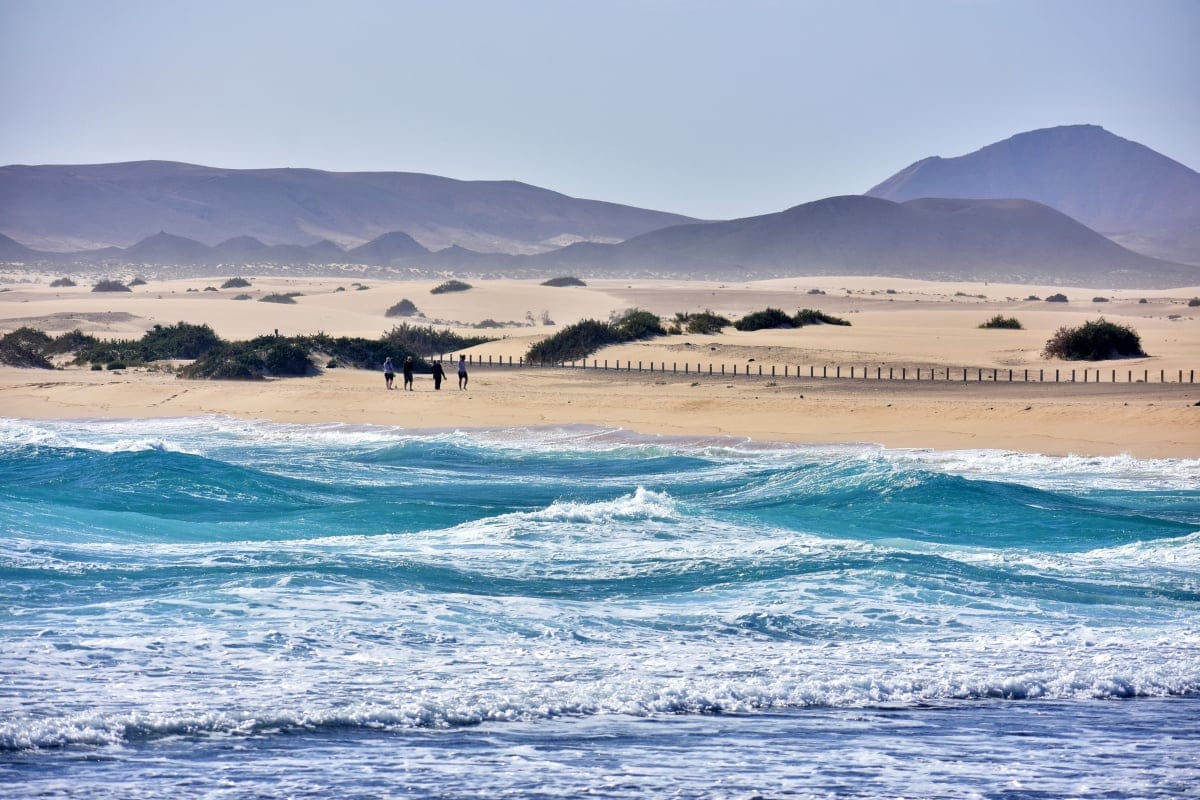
917, 325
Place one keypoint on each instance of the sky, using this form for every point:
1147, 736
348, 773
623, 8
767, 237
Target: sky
711, 108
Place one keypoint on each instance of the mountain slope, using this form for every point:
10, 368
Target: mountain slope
68, 208
1126, 191
987, 240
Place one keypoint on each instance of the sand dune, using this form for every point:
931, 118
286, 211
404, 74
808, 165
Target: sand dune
896, 325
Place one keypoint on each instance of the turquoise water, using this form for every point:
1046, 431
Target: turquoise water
218, 608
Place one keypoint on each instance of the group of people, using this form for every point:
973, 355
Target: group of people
439, 373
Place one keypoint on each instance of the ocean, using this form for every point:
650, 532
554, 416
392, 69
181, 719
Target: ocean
216, 608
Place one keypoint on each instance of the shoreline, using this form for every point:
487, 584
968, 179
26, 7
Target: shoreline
1139, 420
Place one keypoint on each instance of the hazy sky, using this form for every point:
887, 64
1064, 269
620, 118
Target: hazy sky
714, 108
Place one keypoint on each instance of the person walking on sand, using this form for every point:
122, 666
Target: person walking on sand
438, 374
408, 372
389, 373
462, 372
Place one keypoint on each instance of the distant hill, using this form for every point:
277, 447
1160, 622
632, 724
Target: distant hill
84, 207
12, 250
985, 240
1122, 189
952, 239
390, 249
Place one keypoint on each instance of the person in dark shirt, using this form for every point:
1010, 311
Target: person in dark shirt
408, 373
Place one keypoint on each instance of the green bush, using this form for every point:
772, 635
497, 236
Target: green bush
1001, 321
229, 361
637, 324
61, 282
405, 308
110, 286
760, 320
1098, 340
808, 316
71, 342
105, 351
289, 297
705, 323
450, 286
428, 339
235, 283
286, 358
574, 342
25, 347
564, 281
181, 340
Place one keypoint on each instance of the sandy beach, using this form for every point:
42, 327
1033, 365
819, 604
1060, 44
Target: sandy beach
896, 325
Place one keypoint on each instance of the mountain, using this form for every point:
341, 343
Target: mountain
12, 250
1017, 241
80, 207
166, 248
1122, 189
387, 250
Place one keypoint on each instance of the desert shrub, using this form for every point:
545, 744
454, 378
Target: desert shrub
229, 361
564, 281
25, 347
181, 340
71, 342
242, 297
405, 308
705, 323
450, 286
235, 283
575, 342
491, 323
354, 351
115, 365
107, 285
1094, 341
767, 318
1143, 301
1056, 298
1099, 299
636, 324
210, 288
61, 282
809, 316
1034, 297
816, 291
137, 282
109, 350
286, 358
289, 297
1001, 321
1195, 301
428, 339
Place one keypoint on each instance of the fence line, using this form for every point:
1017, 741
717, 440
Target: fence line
854, 372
